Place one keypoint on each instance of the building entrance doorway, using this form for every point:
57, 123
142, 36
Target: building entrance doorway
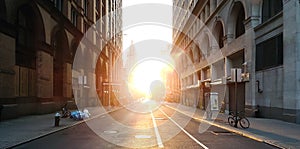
240, 97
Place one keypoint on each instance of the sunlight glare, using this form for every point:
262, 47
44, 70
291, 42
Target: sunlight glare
145, 73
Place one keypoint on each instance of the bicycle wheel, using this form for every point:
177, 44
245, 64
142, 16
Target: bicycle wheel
231, 121
244, 123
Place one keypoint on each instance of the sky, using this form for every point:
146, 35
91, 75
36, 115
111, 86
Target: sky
134, 2
146, 25
144, 32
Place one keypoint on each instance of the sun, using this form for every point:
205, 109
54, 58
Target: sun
144, 73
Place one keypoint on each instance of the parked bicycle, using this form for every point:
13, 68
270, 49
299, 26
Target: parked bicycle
240, 118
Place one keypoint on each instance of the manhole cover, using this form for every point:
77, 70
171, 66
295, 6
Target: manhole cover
110, 131
142, 136
221, 132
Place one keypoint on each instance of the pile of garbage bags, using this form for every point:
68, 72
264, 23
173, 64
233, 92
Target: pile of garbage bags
80, 115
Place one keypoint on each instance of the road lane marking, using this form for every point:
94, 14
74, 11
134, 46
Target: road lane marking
158, 138
142, 136
193, 138
110, 131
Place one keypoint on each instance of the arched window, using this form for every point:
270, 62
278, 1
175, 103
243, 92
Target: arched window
196, 53
240, 27
219, 34
270, 8
26, 38
61, 55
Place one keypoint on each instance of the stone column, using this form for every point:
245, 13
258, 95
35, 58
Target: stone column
291, 59
250, 86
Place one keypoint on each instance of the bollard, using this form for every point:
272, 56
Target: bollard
57, 119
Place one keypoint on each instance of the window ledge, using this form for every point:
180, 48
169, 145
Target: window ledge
269, 21
269, 69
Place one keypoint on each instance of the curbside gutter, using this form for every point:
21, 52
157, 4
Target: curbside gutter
60, 129
250, 135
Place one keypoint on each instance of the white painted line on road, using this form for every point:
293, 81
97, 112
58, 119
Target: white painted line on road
110, 131
142, 136
192, 137
234, 130
158, 138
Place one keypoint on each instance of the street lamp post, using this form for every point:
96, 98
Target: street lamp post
235, 98
236, 77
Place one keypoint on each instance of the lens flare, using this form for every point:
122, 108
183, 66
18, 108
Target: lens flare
144, 73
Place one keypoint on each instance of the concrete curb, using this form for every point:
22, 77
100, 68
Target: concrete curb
250, 135
60, 129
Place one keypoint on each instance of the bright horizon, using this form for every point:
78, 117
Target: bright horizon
145, 73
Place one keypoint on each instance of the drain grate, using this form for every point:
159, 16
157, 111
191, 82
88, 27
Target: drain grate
222, 132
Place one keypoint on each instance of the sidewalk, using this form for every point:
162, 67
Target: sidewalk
25, 129
274, 132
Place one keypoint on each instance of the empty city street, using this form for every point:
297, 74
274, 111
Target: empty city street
174, 74
108, 132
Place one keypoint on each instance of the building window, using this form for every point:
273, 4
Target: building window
240, 27
271, 8
103, 8
58, 4
74, 16
269, 53
98, 5
219, 34
206, 73
86, 7
25, 51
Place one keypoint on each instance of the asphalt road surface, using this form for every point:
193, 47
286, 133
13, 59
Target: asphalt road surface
127, 128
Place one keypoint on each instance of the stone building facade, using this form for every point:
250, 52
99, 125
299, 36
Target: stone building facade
38, 42
259, 36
